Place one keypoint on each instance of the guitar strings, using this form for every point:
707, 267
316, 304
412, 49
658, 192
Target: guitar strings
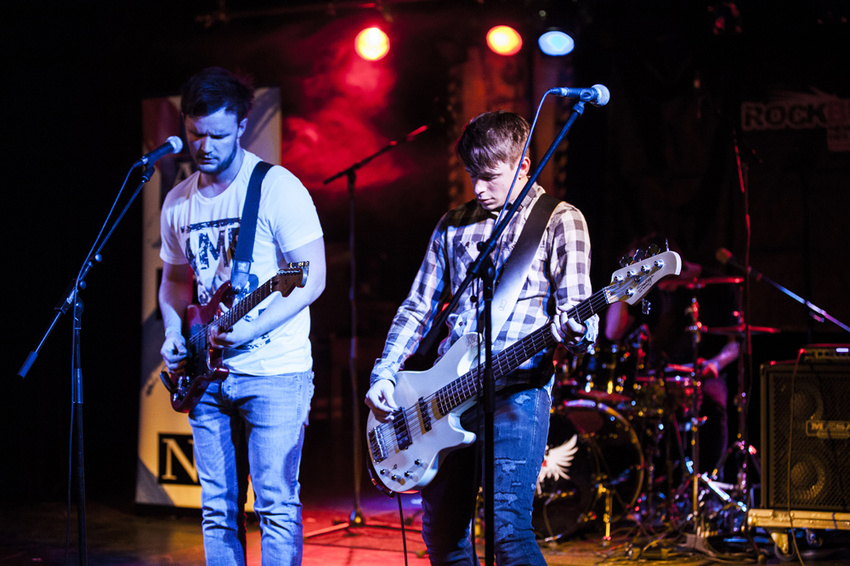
240, 309
458, 391
385, 433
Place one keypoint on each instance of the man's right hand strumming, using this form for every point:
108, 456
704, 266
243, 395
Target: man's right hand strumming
174, 351
380, 401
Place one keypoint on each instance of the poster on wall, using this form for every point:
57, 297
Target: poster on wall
166, 473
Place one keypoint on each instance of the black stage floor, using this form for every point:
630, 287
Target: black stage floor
37, 534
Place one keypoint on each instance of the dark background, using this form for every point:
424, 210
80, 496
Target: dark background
660, 157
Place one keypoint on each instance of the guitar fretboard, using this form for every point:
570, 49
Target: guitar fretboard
470, 384
284, 281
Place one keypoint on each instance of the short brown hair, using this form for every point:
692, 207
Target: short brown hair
491, 138
215, 88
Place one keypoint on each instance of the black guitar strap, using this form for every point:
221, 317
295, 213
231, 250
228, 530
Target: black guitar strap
244, 253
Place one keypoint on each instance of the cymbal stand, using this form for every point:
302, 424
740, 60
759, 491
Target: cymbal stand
692, 469
741, 447
695, 329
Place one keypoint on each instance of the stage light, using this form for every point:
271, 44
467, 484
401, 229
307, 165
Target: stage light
555, 43
372, 44
504, 40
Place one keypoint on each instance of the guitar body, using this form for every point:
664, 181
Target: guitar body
412, 468
405, 452
203, 362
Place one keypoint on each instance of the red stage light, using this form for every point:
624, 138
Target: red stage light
372, 44
504, 40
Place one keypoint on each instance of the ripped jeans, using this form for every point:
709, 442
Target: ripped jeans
521, 427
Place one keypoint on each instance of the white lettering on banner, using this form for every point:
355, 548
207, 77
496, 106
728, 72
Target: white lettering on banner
799, 111
781, 115
838, 130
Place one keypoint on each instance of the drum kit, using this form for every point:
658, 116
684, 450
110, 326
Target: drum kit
624, 440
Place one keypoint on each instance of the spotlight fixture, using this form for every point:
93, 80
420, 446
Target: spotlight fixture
504, 40
372, 44
556, 43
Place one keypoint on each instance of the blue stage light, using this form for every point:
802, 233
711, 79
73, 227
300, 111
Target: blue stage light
556, 43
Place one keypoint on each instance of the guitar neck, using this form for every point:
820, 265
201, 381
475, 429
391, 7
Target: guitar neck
237, 311
244, 306
469, 385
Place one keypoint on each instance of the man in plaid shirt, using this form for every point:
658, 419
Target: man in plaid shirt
559, 278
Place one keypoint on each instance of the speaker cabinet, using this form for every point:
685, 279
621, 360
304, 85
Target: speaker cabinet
805, 434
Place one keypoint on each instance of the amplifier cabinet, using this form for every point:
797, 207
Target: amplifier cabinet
805, 436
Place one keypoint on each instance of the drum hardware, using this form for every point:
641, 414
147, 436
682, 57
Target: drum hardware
637, 430
739, 330
593, 458
607, 372
694, 284
710, 501
607, 516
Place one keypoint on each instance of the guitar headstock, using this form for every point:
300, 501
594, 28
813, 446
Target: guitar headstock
295, 275
632, 282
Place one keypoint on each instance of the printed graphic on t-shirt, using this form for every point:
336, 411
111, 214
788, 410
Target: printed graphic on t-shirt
209, 248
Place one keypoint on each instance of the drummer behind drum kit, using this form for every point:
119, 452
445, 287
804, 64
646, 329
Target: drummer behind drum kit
613, 421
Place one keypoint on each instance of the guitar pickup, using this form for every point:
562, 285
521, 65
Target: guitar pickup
402, 430
424, 414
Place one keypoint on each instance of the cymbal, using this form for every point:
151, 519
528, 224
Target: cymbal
700, 283
739, 329
678, 368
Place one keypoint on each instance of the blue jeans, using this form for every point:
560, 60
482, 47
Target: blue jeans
521, 426
253, 422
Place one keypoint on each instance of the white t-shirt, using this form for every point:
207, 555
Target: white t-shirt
202, 231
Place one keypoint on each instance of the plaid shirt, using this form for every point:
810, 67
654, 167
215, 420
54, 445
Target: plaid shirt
559, 278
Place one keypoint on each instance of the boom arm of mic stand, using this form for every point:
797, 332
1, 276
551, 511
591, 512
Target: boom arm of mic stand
386, 148
813, 308
79, 283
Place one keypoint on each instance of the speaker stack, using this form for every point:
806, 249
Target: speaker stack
805, 441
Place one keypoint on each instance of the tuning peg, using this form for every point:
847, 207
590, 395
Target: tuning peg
625, 261
645, 306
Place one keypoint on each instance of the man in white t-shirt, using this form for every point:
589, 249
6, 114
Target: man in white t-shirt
253, 420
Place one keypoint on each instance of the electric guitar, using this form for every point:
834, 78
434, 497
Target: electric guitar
203, 362
405, 452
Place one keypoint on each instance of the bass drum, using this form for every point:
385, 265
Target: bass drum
591, 450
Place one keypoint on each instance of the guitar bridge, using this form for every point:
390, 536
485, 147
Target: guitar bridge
379, 452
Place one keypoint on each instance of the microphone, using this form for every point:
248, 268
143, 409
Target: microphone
172, 145
598, 95
724, 256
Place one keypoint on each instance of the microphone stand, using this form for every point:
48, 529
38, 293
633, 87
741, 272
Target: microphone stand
356, 517
818, 313
73, 300
483, 268
745, 364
